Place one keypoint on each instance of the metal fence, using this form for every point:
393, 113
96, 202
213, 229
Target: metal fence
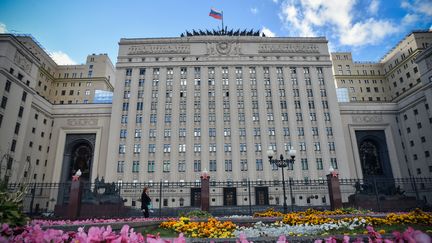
387, 194
236, 197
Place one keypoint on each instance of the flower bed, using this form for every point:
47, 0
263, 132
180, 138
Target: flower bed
300, 226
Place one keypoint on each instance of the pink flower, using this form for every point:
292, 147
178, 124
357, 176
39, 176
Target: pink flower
421, 237
180, 239
282, 239
318, 241
346, 239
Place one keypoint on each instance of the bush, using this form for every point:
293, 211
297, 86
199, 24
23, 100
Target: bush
11, 205
196, 214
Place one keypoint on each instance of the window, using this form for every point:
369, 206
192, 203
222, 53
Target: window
122, 149
13, 145
228, 165
197, 165
319, 164
304, 164
150, 166
87, 92
17, 128
167, 148
259, 165
181, 166
137, 133
197, 132
302, 146
129, 72
286, 131
166, 166
120, 166
314, 131
20, 112
212, 147
152, 148
137, 148
135, 167
227, 147
213, 165
243, 147
243, 165
4, 102
227, 132
329, 131
197, 148
212, 132
333, 163
182, 132
300, 131
317, 146
331, 146
7, 86
123, 133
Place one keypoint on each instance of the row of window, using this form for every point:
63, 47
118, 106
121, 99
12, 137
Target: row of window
228, 165
227, 147
167, 133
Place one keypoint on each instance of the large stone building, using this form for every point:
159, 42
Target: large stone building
43, 104
183, 105
388, 113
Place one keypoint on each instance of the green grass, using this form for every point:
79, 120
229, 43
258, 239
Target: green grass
164, 233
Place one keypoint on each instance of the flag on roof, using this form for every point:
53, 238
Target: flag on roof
215, 13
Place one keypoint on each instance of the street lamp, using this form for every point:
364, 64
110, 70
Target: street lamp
282, 163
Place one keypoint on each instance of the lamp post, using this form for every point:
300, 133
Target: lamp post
282, 163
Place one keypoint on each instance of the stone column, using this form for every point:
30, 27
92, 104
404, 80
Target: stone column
334, 190
205, 191
74, 206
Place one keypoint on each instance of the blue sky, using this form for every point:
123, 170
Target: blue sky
70, 30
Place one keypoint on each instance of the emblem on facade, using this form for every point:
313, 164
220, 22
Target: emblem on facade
223, 48
22, 62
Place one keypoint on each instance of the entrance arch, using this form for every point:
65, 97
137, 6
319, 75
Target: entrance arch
373, 153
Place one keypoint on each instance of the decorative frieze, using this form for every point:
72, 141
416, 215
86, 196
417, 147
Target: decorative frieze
288, 48
367, 119
22, 62
159, 49
82, 122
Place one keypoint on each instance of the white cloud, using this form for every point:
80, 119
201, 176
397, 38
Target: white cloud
62, 58
369, 32
374, 6
254, 10
268, 32
418, 6
3, 28
410, 19
275, 1
316, 17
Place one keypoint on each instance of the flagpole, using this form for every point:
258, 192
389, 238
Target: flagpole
222, 21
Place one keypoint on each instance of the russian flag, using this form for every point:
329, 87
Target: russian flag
215, 13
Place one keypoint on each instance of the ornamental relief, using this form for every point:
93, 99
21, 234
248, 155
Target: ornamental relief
159, 49
289, 48
223, 48
22, 62
367, 119
82, 122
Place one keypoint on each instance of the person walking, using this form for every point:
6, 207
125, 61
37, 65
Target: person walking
145, 202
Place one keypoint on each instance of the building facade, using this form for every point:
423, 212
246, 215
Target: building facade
174, 107
219, 103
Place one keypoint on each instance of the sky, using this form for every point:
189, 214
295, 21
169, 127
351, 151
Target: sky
71, 30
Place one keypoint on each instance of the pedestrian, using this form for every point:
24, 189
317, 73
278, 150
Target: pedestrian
145, 202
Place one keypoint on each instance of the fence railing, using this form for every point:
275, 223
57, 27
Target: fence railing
236, 197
